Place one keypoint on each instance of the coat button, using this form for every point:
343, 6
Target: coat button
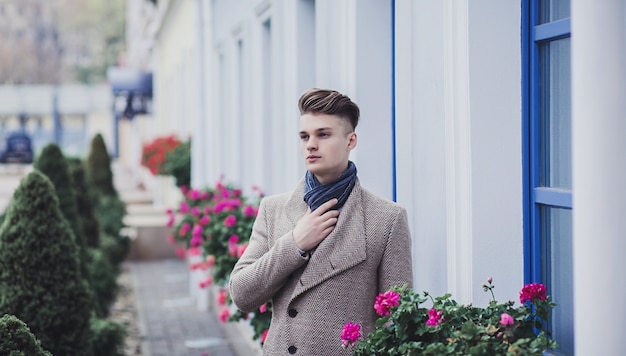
293, 313
292, 349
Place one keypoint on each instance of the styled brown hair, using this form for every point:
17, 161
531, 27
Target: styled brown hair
329, 102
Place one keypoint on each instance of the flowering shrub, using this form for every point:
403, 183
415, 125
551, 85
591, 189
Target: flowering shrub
154, 154
405, 327
218, 222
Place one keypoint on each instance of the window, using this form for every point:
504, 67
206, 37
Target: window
547, 159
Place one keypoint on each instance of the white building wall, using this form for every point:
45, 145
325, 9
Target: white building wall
496, 143
175, 78
458, 122
266, 53
458, 112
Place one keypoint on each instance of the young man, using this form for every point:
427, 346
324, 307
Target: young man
323, 252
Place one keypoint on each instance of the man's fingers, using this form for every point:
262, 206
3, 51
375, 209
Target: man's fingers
326, 206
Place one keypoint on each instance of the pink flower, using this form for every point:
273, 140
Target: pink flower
264, 335
170, 221
194, 194
230, 221
208, 210
169, 211
197, 230
180, 252
435, 317
222, 295
210, 260
194, 251
237, 192
205, 220
195, 211
385, 301
506, 319
249, 211
184, 207
184, 229
350, 334
233, 204
196, 241
532, 292
205, 283
233, 239
184, 189
219, 207
224, 314
263, 308
241, 249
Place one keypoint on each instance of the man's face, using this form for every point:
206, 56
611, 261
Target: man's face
325, 144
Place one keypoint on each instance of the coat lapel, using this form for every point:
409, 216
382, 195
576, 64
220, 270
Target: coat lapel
343, 249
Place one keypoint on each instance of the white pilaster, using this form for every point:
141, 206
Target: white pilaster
458, 149
599, 174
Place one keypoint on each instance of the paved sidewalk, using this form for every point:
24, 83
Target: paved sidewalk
169, 319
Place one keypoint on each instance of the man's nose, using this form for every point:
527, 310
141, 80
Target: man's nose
311, 144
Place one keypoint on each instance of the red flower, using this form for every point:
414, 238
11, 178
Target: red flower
154, 153
531, 292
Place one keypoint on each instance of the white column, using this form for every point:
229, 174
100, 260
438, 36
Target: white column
599, 175
458, 149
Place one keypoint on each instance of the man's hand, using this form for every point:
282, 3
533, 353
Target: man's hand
314, 226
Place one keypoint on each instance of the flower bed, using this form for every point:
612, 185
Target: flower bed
407, 327
214, 225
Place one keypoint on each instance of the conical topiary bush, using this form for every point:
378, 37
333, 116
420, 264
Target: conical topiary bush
99, 172
40, 277
85, 203
53, 164
110, 209
16, 339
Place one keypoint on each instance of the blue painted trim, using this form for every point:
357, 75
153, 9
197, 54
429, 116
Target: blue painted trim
553, 30
534, 131
394, 172
553, 197
535, 196
525, 44
530, 142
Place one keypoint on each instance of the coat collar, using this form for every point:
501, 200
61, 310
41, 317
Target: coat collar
344, 248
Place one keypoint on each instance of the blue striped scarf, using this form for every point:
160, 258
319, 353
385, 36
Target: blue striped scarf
316, 193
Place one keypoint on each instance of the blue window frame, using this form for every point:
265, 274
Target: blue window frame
547, 158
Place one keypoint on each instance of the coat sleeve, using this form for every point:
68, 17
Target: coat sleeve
265, 266
396, 266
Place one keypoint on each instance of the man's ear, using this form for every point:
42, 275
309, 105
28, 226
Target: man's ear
352, 140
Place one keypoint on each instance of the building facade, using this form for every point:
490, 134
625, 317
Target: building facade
495, 123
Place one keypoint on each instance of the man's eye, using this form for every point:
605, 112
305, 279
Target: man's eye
304, 137
324, 134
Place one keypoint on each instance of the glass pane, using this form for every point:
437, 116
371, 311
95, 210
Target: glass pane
556, 274
555, 115
552, 10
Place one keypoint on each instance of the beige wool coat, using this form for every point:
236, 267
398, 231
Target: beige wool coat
313, 297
